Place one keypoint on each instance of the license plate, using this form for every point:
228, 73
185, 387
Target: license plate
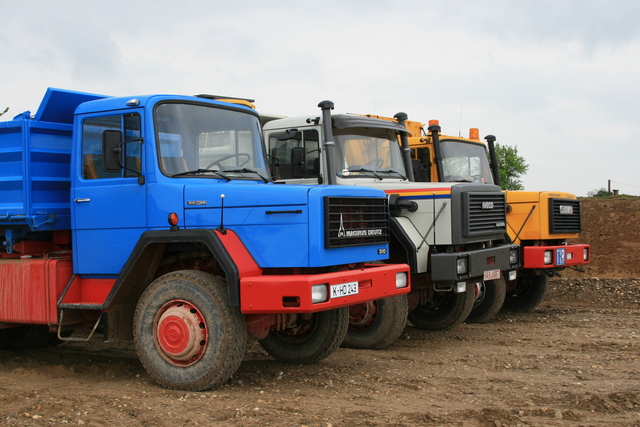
566, 210
344, 289
491, 274
561, 256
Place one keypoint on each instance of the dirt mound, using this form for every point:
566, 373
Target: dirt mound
611, 225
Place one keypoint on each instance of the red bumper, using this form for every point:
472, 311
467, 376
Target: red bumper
292, 293
560, 256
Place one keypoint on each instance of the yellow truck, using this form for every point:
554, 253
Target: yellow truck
541, 222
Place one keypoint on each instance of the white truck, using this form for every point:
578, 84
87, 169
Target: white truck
452, 235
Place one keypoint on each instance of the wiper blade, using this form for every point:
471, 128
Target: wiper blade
367, 170
201, 171
396, 172
246, 170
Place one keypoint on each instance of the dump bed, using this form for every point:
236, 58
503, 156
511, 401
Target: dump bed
35, 154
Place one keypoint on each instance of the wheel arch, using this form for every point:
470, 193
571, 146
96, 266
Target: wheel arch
141, 266
402, 249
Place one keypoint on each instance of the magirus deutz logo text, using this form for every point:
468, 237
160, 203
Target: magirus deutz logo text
359, 232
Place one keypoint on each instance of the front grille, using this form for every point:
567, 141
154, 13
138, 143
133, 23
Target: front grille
355, 221
485, 213
565, 216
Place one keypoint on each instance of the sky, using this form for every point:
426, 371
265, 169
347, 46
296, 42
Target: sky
557, 79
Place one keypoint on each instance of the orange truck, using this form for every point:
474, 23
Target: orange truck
541, 222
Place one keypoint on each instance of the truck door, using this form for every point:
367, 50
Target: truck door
108, 207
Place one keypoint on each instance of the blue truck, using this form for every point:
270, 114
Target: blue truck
154, 218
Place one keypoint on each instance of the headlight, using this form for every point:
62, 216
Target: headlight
513, 256
318, 293
401, 280
548, 257
585, 254
462, 265
460, 287
513, 275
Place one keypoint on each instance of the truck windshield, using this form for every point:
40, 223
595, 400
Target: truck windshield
465, 162
368, 152
208, 141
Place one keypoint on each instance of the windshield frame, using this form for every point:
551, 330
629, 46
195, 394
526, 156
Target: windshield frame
378, 149
186, 132
472, 150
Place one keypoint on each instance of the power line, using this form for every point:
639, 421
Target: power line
629, 185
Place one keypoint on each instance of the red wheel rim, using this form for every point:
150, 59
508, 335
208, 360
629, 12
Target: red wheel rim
180, 333
361, 316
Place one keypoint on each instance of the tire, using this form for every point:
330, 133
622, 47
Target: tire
528, 294
27, 337
448, 309
489, 300
186, 334
376, 324
314, 337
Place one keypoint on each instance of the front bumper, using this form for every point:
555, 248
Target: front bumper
444, 265
556, 256
292, 293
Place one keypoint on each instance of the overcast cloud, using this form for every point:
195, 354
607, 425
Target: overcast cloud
557, 79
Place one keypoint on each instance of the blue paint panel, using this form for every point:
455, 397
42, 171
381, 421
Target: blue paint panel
162, 199
94, 244
34, 174
274, 240
58, 105
240, 193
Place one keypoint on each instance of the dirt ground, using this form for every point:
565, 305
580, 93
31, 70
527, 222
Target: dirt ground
574, 361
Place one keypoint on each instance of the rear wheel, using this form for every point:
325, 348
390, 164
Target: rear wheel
489, 298
444, 311
312, 337
186, 334
376, 324
528, 294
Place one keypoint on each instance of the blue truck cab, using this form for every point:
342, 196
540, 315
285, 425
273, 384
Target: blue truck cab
156, 217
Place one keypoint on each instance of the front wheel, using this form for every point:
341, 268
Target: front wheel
311, 338
489, 297
528, 294
444, 311
186, 334
376, 324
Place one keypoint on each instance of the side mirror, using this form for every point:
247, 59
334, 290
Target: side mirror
298, 169
112, 150
424, 169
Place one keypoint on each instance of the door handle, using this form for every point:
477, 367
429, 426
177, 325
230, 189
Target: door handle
82, 200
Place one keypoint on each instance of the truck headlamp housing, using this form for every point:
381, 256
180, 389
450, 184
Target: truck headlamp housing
319, 293
514, 256
401, 280
462, 265
548, 257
